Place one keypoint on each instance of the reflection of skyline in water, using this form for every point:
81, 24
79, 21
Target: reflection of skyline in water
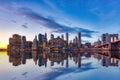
40, 59
62, 58
108, 60
46, 66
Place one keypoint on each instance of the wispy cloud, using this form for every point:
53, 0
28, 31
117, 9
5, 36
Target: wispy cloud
25, 25
108, 12
51, 24
52, 6
48, 2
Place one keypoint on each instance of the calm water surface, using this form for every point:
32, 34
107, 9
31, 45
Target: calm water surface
58, 66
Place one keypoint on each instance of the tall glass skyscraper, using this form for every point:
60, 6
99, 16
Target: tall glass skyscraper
67, 38
23, 42
79, 39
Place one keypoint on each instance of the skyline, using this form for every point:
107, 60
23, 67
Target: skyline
31, 17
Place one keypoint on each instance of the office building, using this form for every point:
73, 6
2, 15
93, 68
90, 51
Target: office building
23, 42
15, 42
40, 40
79, 39
62, 36
52, 36
105, 38
35, 44
67, 38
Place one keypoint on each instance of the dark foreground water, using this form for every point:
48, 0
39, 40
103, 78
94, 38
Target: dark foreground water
58, 66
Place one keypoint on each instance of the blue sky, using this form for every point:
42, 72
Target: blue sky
31, 17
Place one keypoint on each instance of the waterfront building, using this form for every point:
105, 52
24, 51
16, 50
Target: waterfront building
44, 43
35, 44
79, 39
45, 35
70, 44
67, 38
57, 44
76, 40
40, 40
73, 41
23, 42
52, 36
45, 40
88, 45
105, 38
15, 42
62, 36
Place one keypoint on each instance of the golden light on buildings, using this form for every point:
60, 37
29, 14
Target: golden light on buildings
57, 42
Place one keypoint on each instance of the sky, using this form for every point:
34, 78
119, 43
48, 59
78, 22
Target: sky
31, 17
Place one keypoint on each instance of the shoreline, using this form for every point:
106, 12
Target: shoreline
3, 50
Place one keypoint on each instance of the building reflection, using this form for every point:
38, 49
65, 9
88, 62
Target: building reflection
111, 60
23, 58
79, 60
15, 58
57, 57
18, 58
25, 55
35, 56
67, 61
42, 59
64, 59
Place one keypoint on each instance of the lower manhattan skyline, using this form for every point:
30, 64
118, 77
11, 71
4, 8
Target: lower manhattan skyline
59, 39
31, 17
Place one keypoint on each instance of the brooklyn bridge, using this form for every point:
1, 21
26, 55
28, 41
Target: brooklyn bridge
113, 44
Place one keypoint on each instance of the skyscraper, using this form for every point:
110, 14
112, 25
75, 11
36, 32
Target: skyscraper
46, 35
23, 42
35, 44
15, 42
45, 41
76, 40
79, 39
105, 38
62, 36
40, 39
52, 36
67, 38
79, 60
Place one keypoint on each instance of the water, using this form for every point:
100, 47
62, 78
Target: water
58, 66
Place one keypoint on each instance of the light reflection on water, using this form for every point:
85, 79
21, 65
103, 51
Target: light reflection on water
50, 66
